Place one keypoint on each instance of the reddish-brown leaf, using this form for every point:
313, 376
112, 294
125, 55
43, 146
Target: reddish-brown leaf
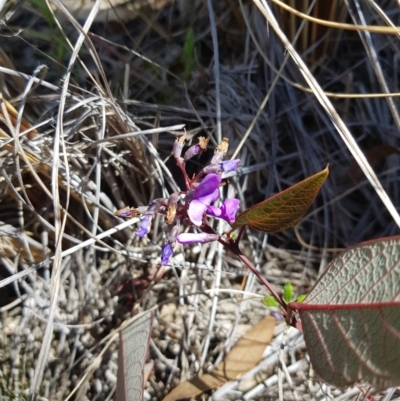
351, 317
133, 348
284, 209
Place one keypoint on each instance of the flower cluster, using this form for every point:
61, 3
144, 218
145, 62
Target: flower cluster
194, 204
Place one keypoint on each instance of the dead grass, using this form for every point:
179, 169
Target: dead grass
88, 117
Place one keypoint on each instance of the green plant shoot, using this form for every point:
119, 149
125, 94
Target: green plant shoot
287, 292
269, 300
188, 54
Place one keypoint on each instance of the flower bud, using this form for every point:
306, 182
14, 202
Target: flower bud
212, 169
153, 208
178, 146
144, 225
196, 238
166, 252
191, 152
127, 212
174, 232
196, 149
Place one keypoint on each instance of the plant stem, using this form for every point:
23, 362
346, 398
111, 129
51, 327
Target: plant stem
234, 248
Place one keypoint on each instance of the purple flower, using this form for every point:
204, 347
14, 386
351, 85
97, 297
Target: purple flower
149, 212
207, 190
227, 211
144, 226
196, 238
222, 167
166, 252
206, 193
229, 165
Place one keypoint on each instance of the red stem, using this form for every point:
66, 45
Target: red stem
185, 176
234, 248
286, 311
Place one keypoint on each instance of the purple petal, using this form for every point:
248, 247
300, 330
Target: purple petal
229, 165
166, 252
194, 238
144, 226
227, 211
210, 198
214, 211
207, 189
196, 212
189, 196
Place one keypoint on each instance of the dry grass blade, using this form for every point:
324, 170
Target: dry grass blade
333, 115
144, 132
272, 87
59, 221
68, 252
366, 39
92, 367
218, 267
216, 69
373, 29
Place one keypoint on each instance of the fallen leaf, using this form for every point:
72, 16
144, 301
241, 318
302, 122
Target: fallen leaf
245, 354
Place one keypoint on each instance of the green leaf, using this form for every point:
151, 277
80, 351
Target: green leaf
287, 292
188, 54
350, 318
58, 44
301, 298
233, 235
270, 301
284, 209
